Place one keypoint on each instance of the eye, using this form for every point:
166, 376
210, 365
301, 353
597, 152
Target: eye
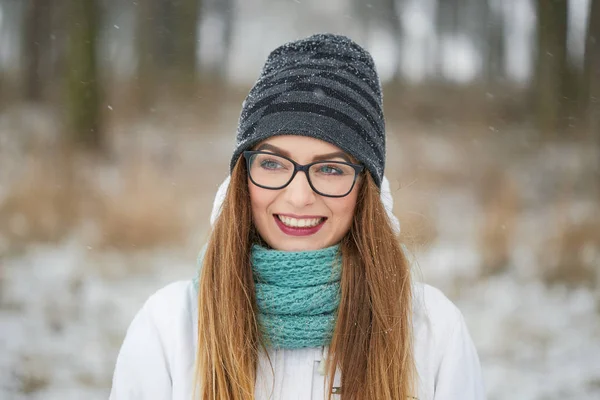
330, 170
270, 164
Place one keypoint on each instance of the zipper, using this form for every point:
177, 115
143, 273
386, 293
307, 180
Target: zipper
322, 369
323, 361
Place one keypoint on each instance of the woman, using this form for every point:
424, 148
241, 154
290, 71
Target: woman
304, 291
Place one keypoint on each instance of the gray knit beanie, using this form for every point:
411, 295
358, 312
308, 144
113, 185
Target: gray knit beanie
324, 86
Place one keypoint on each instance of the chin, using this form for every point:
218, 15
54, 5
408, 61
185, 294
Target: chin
285, 244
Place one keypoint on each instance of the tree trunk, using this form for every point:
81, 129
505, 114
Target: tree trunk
146, 43
447, 24
165, 33
36, 44
186, 43
391, 15
447, 16
591, 86
496, 46
551, 64
83, 94
378, 13
225, 10
361, 14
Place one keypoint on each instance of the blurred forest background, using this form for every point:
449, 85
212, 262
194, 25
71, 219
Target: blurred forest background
118, 118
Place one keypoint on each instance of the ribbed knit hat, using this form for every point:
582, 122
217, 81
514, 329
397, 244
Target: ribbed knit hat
324, 86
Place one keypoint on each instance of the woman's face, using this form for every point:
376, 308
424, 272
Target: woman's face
277, 214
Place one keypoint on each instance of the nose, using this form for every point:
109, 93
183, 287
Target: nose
299, 193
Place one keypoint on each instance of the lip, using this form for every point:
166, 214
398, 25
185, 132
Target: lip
304, 231
301, 216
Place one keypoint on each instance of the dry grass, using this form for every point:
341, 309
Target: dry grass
572, 255
151, 189
445, 105
42, 206
418, 229
53, 201
147, 206
145, 212
147, 193
499, 198
490, 169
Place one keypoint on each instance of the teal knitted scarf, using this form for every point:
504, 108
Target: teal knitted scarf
297, 293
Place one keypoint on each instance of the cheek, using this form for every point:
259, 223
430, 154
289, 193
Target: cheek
343, 211
257, 200
260, 200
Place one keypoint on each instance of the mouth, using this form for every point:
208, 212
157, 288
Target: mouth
299, 226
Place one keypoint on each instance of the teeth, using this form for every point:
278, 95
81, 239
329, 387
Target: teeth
300, 223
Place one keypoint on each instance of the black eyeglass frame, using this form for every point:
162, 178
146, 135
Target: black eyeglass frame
304, 168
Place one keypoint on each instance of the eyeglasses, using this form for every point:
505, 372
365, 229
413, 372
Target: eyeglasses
327, 178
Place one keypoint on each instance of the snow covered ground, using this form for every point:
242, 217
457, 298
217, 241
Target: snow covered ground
64, 307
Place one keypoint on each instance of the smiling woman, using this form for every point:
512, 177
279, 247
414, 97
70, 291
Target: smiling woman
307, 211
303, 289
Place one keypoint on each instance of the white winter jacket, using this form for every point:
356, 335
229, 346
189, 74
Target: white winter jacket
156, 360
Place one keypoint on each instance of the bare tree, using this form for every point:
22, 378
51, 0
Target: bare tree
186, 42
36, 46
551, 64
447, 16
447, 21
591, 86
83, 94
377, 12
146, 47
482, 23
225, 9
165, 21
496, 47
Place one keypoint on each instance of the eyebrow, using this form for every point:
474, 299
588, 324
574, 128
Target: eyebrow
320, 157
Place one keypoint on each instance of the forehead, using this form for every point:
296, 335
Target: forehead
302, 148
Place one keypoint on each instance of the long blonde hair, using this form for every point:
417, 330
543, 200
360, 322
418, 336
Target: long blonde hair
372, 340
